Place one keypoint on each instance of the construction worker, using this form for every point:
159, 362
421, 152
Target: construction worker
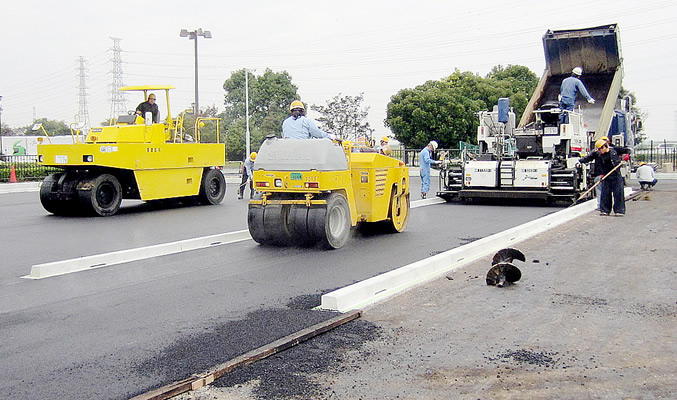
597, 174
646, 176
247, 175
612, 184
149, 106
568, 92
425, 160
384, 148
298, 126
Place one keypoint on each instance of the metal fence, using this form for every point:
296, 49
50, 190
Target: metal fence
26, 168
660, 156
410, 156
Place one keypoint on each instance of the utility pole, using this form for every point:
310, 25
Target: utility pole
118, 99
83, 113
193, 35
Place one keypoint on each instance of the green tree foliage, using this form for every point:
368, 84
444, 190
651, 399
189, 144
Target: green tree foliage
269, 97
445, 110
53, 127
344, 117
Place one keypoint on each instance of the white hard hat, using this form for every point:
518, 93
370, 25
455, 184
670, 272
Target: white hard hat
433, 144
577, 71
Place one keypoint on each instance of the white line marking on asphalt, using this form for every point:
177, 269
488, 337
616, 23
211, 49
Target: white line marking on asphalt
47, 270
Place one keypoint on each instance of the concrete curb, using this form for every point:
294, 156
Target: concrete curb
393, 282
40, 271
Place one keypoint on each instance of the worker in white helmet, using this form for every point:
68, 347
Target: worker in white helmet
568, 92
298, 126
425, 161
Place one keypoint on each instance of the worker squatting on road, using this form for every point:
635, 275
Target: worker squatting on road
646, 176
149, 106
298, 126
608, 158
568, 92
247, 176
425, 161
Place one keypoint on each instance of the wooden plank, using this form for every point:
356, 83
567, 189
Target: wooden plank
205, 378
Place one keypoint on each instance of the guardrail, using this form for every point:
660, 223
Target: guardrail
657, 155
410, 156
25, 167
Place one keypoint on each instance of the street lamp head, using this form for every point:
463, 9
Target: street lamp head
184, 33
207, 35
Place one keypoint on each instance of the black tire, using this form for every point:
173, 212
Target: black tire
49, 185
331, 224
255, 223
298, 225
100, 195
213, 187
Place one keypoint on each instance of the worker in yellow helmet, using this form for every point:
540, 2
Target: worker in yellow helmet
298, 126
247, 175
609, 157
384, 148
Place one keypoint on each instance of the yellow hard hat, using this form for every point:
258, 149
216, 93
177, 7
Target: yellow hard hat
296, 104
152, 96
605, 138
600, 143
642, 163
252, 156
384, 139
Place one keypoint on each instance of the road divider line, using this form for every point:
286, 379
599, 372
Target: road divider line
380, 287
40, 271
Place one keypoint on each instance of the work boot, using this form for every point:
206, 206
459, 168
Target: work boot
239, 196
423, 195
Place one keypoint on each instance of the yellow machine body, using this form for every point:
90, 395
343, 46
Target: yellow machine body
287, 173
147, 161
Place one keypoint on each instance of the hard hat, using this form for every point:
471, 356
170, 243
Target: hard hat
600, 143
604, 138
642, 163
384, 139
577, 71
151, 96
252, 156
433, 144
296, 104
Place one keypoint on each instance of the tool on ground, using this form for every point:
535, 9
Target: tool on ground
502, 270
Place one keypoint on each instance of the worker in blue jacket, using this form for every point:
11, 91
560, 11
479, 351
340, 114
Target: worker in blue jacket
298, 126
568, 92
425, 160
607, 157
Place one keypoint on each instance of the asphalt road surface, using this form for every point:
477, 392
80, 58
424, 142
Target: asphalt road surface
114, 332
593, 317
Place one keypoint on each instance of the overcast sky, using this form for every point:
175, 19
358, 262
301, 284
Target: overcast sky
328, 47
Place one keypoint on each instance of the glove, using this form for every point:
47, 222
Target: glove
591, 101
626, 157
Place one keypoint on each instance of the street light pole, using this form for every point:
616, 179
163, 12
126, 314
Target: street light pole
246, 108
193, 35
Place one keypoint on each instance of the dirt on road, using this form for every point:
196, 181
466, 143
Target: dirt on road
594, 316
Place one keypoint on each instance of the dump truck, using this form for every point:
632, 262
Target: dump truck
313, 191
133, 158
537, 158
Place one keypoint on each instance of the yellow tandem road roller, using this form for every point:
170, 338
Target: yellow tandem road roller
313, 191
134, 158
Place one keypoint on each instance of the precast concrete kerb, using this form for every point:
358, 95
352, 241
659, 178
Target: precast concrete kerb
364, 293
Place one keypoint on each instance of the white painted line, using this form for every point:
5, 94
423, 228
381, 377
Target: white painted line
46, 270
427, 202
390, 283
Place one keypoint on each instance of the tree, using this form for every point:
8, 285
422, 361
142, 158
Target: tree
445, 110
53, 127
269, 97
344, 117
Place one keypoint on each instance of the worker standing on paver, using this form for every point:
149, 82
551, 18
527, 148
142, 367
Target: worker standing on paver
568, 92
247, 175
298, 126
608, 158
425, 161
384, 148
646, 176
